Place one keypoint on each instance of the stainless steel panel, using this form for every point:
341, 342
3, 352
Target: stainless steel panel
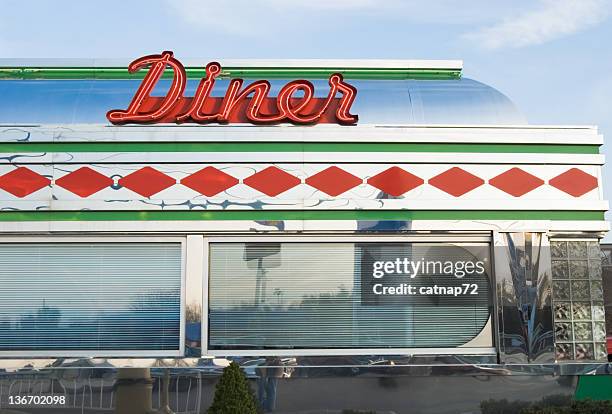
523, 278
462, 101
96, 389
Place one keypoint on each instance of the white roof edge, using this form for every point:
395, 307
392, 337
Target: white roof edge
282, 133
318, 126
255, 63
485, 126
589, 128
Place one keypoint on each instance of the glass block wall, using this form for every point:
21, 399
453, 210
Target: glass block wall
580, 331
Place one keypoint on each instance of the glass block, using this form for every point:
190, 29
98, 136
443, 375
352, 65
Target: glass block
561, 289
596, 290
558, 249
563, 311
599, 331
560, 269
579, 269
584, 351
581, 311
595, 269
577, 250
563, 331
583, 331
565, 351
580, 290
599, 312
601, 352
594, 251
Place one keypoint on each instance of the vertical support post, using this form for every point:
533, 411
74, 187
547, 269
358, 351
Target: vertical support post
194, 275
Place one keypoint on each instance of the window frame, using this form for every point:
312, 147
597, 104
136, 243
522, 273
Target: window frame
100, 353
349, 238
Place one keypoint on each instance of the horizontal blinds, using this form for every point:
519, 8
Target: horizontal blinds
308, 295
90, 296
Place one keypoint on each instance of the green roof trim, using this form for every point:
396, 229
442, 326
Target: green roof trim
272, 215
69, 73
72, 147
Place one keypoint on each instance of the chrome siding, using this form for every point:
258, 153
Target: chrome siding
388, 390
523, 279
462, 101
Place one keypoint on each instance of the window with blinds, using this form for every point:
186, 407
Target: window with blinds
300, 295
66, 297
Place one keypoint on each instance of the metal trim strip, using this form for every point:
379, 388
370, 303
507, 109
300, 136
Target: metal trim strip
363, 133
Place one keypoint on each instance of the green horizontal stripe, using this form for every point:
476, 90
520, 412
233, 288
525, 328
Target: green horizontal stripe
299, 215
293, 147
231, 72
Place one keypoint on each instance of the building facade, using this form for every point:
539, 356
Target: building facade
366, 235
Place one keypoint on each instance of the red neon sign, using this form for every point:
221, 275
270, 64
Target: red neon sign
240, 104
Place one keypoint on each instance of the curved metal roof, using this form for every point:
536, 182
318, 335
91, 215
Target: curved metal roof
458, 101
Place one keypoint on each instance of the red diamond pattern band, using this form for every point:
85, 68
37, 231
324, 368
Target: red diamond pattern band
273, 181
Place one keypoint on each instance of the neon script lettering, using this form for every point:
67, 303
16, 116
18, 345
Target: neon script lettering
241, 103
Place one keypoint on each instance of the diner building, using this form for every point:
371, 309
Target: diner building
381, 235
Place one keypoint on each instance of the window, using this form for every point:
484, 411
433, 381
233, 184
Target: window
339, 295
112, 298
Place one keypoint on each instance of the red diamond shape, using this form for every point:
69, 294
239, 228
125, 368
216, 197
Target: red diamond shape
209, 181
333, 181
574, 182
22, 181
272, 181
84, 182
456, 181
516, 182
147, 181
395, 181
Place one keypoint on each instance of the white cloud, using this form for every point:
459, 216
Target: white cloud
251, 17
552, 20
328, 4
254, 17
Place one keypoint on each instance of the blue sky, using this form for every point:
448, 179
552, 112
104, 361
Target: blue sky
553, 58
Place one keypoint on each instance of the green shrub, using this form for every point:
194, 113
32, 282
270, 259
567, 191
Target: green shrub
503, 406
557, 400
546, 410
592, 407
553, 404
576, 407
233, 394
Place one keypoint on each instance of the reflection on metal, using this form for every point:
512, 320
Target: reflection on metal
388, 388
85, 390
338, 226
195, 262
606, 263
524, 298
299, 366
461, 101
134, 391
